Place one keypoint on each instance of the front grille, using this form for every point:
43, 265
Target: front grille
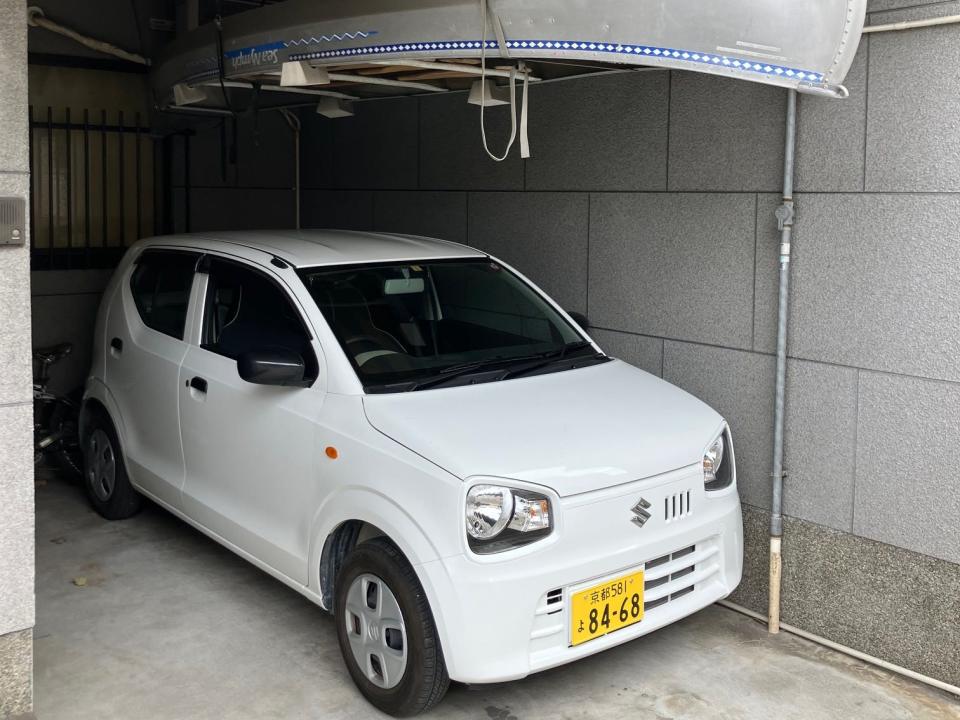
668, 577
676, 506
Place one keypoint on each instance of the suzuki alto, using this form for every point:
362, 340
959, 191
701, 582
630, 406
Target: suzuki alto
414, 436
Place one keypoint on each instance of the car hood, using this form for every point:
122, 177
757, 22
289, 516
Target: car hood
574, 431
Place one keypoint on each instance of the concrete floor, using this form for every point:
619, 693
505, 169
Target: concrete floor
169, 625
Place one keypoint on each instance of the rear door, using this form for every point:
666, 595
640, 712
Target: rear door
250, 449
145, 346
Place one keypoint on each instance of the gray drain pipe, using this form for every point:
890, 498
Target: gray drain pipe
785, 223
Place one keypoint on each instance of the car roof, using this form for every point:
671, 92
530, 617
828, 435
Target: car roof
308, 248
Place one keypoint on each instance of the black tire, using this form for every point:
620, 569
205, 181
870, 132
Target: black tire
424, 680
119, 500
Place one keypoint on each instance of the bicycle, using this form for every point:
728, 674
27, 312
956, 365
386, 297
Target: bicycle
55, 417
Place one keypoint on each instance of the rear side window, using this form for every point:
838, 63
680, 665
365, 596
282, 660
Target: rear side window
161, 289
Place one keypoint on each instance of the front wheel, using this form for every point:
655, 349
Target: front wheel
386, 631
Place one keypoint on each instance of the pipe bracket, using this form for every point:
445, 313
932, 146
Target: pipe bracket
784, 214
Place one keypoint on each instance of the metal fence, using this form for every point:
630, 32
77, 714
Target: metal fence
93, 187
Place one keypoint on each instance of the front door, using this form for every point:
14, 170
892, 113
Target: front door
145, 347
250, 449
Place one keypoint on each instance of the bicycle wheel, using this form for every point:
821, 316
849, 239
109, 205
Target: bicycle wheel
64, 424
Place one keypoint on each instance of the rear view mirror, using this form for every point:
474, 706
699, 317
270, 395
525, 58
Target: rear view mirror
272, 366
579, 318
402, 286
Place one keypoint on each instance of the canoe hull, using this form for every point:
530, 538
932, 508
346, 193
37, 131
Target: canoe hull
806, 45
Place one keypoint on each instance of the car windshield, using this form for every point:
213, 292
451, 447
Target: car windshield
406, 326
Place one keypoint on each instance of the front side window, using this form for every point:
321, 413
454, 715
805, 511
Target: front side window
160, 285
416, 325
246, 311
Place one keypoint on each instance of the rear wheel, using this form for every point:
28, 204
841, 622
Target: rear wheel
104, 474
386, 631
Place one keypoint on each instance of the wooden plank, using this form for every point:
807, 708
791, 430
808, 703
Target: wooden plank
348, 66
384, 70
400, 67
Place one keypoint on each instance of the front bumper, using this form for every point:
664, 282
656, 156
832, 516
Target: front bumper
504, 617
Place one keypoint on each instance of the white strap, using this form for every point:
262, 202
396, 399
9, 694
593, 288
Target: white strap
501, 39
483, 104
524, 140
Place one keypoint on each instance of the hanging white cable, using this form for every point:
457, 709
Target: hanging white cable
36, 18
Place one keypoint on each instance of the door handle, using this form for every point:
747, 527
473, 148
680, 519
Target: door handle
198, 384
117, 344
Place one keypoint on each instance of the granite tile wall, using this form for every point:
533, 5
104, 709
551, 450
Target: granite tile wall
63, 308
240, 176
539, 233
16, 674
648, 203
16, 411
871, 596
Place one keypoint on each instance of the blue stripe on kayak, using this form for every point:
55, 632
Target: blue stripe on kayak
639, 51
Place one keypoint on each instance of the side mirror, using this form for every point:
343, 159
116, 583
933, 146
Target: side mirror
272, 366
579, 318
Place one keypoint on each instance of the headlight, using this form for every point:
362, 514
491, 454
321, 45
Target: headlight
500, 518
712, 460
489, 509
716, 473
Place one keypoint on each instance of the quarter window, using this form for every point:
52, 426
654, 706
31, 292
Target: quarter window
161, 289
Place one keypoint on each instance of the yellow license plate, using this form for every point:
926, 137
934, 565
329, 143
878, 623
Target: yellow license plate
604, 608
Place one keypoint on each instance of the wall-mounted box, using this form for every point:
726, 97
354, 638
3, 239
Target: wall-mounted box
13, 221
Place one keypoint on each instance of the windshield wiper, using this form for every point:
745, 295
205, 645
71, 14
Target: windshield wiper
538, 360
455, 371
547, 358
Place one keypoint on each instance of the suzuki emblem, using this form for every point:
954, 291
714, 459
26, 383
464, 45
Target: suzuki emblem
640, 514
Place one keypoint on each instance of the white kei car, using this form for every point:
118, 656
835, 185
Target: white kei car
411, 434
